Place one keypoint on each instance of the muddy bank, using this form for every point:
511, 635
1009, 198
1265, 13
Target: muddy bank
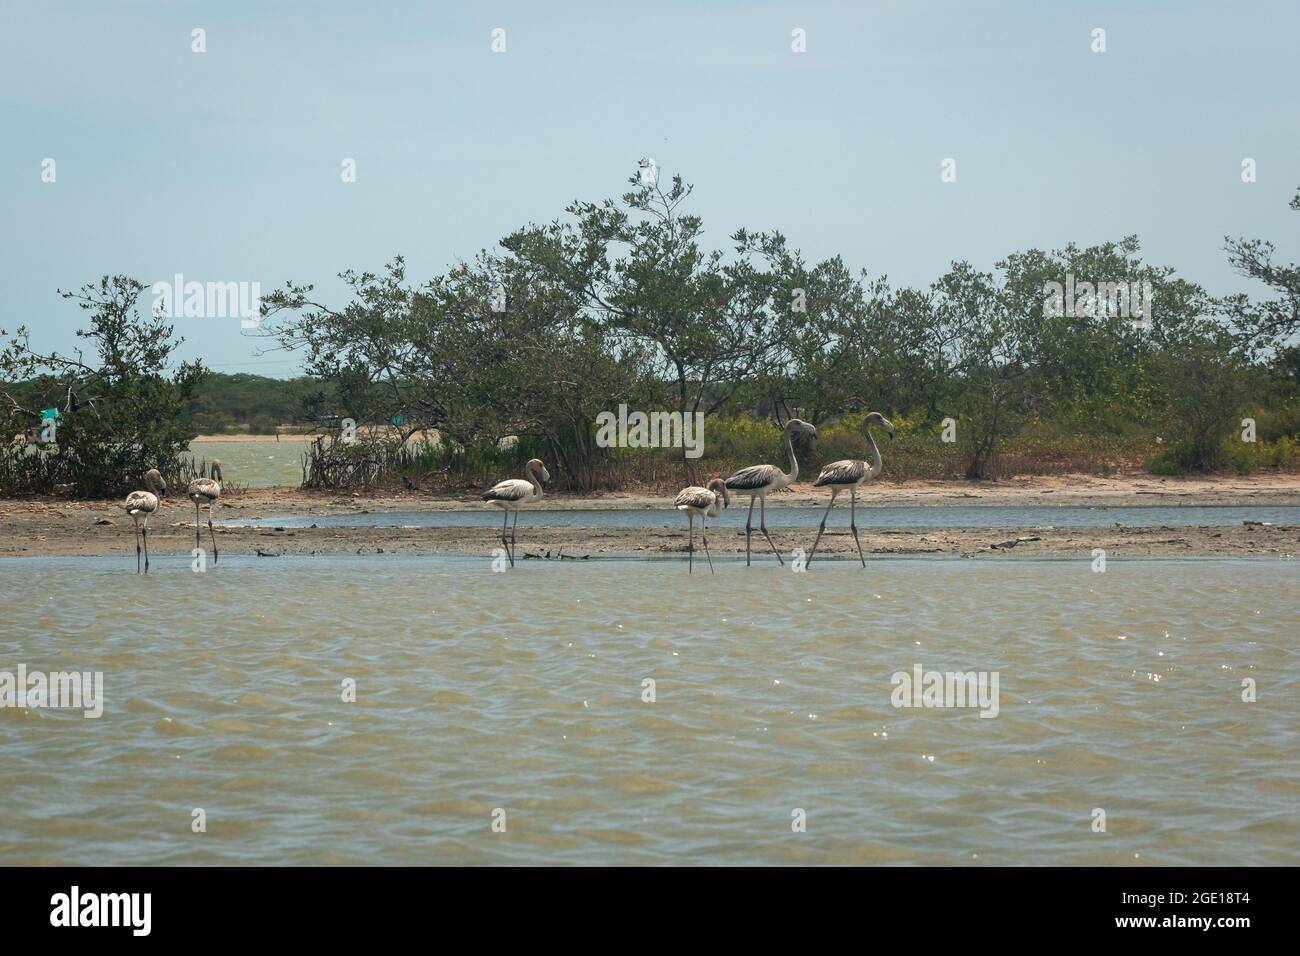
1236, 541
55, 527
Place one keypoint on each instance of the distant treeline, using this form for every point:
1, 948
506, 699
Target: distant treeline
221, 404
226, 404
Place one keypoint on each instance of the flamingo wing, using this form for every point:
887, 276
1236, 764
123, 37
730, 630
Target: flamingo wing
141, 502
512, 489
845, 472
204, 488
695, 497
754, 477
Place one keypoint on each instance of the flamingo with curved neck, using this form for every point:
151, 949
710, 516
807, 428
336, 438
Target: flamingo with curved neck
515, 493
758, 480
849, 475
706, 502
145, 503
206, 491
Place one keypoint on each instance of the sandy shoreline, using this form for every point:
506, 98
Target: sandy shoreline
58, 527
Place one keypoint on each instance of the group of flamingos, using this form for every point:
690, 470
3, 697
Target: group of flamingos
513, 494
757, 481
201, 491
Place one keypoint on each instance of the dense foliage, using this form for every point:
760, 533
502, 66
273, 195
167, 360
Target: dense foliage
119, 410
1079, 358
621, 302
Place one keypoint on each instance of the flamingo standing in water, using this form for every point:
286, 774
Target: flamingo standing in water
849, 475
206, 491
144, 503
515, 493
702, 503
758, 480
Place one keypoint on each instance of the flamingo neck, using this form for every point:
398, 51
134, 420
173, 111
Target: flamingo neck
794, 465
876, 466
537, 485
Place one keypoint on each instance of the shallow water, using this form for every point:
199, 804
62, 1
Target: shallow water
523, 691
878, 516
255, 464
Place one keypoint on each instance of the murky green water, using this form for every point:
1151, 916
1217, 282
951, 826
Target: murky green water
255, 464
523, 691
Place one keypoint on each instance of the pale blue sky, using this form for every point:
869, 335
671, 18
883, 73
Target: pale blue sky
225, 165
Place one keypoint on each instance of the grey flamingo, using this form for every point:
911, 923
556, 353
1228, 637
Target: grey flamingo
144, 503
849, 475
206, 491
703, 503
515, 493
758, 480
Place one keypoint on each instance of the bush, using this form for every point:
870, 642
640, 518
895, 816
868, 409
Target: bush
118, 418
1173, 460
1247, 457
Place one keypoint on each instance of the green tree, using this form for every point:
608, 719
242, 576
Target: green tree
526, 360
637, 270
121, 413
1274, 321
1207, 382
374, 352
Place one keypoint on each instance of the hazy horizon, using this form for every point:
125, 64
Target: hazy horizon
225, 165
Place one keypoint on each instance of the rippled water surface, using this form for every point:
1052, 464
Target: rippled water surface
523, 691
256, 464
876, 516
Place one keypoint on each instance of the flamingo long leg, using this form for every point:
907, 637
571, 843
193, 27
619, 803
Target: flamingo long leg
505, 543
704, 529
749, 529
762, 524
823, 526
146, 545
213, 533
690, 547
136, 522
853, 523
514, 535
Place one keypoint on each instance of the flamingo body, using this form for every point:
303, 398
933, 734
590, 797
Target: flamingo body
849, 475
696, 502
206, 491
515, 493
758, 480
144, 503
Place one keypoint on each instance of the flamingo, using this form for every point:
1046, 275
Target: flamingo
515, 493
758, 480
849, 475
704, 503
206, 491
144, 503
